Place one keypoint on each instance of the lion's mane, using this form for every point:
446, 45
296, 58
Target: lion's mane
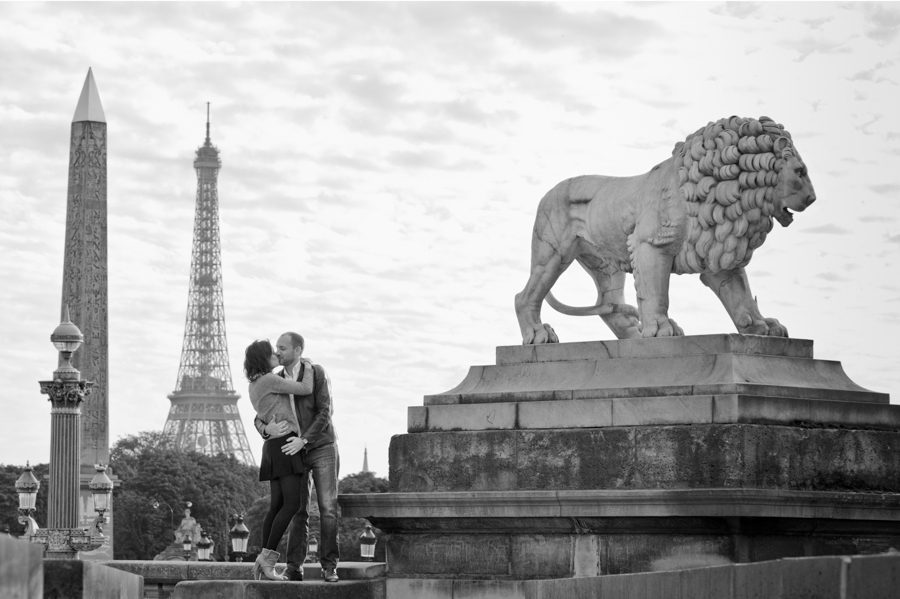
727, 176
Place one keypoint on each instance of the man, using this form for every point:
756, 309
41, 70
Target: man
320, 454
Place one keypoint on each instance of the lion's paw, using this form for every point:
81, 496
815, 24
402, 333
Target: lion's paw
769, 327
540, 334
660, 326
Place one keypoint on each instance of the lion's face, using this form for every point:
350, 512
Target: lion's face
793, 191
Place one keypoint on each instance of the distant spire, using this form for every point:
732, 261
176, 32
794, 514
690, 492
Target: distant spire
89, 107
208, 142
365, 459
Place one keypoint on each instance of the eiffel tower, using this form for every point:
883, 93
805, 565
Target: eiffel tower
204, 414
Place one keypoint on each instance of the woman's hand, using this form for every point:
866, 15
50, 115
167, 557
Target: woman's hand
277, 428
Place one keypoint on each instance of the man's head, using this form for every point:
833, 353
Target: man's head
289, 348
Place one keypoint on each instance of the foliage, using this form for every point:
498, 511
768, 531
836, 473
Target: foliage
152, 471
9, 499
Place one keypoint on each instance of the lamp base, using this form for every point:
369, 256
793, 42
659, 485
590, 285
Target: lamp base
65, 543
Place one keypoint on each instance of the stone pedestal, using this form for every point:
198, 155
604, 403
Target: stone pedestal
588, 459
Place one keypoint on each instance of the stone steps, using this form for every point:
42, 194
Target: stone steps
242, 589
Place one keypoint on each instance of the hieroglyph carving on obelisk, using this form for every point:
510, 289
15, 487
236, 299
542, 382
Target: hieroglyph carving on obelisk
84, 288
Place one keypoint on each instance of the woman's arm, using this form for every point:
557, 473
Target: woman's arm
303, 387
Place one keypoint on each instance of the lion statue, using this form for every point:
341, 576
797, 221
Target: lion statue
704, 210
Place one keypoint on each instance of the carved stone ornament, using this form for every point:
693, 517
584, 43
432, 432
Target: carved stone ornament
704, 210
66, 392
63, 540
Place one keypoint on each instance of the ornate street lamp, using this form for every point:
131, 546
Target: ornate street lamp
240, 535
101, 489
27, 487
186, 547
367, 544
204, 547
312, 550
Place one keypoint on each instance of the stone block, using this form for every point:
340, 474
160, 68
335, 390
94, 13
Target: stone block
586, 556
541, 556
688, 456
449, 555
592, 413
76, 579
419, 588
455, 461
416, 419
685, 409
472, 417
814, 578
576, 459
21, 569
874, 577
715, 582
758, 581
489, 589
242, 589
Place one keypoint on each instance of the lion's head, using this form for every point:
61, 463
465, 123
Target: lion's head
735, 175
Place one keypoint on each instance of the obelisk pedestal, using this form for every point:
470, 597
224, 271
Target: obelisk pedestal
84, 289
616, 457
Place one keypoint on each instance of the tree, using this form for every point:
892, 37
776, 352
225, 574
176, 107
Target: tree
151, 471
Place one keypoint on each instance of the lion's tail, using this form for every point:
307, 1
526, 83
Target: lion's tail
598, 310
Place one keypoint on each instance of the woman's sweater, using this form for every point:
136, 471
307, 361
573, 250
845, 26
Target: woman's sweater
270, 397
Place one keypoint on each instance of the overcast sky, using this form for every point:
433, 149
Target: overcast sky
381, 168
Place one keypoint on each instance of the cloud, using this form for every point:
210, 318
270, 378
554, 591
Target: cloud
882, 20
816, 23
829, 229
810, 45
831, 277
738, 10
886, 189
869, 74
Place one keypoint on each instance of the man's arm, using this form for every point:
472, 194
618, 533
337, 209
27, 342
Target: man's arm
323, 406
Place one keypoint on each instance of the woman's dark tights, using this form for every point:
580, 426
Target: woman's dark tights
287, 496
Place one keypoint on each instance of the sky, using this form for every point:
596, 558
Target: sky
381, 169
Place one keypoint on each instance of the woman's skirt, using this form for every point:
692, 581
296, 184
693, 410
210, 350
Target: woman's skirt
275, 463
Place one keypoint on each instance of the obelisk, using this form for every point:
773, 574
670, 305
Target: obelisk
84, 288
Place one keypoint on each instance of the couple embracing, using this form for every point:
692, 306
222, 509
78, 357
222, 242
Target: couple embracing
293, 414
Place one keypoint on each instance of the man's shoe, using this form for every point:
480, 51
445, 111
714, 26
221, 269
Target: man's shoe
330, 575
294, 575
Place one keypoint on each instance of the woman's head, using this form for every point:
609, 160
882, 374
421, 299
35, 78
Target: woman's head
258, 359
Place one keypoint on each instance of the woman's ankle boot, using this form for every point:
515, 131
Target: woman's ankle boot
265, 565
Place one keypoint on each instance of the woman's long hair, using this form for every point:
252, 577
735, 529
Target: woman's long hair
256, 359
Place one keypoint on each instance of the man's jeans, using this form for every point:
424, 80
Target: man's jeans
324, 463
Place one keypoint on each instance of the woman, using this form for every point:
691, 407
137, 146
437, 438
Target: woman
269, 394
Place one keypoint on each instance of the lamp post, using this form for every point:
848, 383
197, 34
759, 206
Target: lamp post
204, 547
367, 544
240, 535
312, 550
62, 539
27, 487
155, 505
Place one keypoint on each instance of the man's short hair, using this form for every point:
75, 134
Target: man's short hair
296, 339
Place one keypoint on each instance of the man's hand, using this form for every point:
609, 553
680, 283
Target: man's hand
293, 446
277, 429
